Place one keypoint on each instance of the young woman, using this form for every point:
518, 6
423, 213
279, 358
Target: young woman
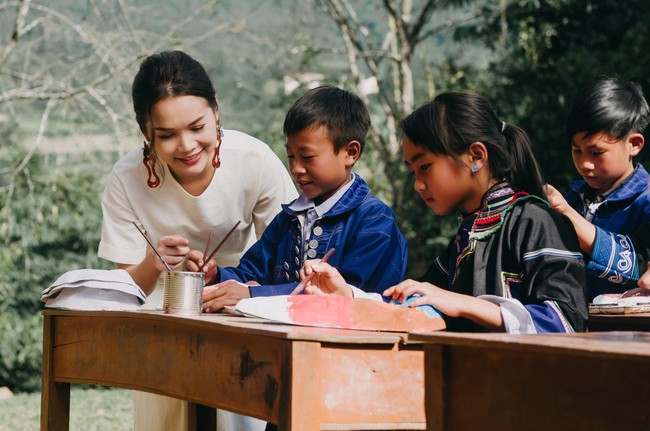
515, 264
191, 179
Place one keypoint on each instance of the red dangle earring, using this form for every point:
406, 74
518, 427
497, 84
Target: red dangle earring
150, 164
216, 161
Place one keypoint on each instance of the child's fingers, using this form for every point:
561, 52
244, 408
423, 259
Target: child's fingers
396, 291
314, 265
408, 288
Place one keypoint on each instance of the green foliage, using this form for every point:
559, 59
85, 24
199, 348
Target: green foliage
50, 223
551, 49
21, 348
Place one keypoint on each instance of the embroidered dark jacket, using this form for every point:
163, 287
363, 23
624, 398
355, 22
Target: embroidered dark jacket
516, 246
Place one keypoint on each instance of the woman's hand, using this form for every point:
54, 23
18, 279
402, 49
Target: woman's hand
172, 248
326, 280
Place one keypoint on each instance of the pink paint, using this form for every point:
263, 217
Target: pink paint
364, 314
321, 310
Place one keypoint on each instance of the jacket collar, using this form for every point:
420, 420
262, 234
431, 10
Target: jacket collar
351, 199
635, 184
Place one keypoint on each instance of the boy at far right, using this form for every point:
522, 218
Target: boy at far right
612, 200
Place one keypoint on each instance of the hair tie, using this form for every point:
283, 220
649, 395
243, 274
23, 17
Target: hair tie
503, 126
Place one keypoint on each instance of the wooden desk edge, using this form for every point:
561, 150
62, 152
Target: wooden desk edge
621, 343
251, 326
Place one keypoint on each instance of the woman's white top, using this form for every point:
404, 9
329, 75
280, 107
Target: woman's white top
250, 185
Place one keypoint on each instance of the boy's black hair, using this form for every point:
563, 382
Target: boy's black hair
343, 113
609, 106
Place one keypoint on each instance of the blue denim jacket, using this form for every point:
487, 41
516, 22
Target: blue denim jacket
370, 252
613, 266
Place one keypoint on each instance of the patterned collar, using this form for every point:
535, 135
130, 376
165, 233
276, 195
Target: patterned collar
498, 200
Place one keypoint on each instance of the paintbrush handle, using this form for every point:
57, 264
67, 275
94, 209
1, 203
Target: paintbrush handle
301, 286
152, 246
205, 262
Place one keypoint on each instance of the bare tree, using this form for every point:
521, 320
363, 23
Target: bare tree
390, 61
81, 59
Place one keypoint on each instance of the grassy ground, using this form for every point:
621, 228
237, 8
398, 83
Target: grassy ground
91, 409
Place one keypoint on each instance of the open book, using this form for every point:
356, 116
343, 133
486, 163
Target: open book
632, 301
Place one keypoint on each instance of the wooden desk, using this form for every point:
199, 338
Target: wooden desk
586, 381
619, 322
297, 377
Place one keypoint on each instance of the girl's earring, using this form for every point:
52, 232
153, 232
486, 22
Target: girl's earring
216, 160
150, 164
474, 169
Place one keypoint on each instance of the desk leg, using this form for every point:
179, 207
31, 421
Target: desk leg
55, 396
434, 375
299, 405
201, 418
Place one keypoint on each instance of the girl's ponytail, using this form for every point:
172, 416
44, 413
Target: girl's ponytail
524, 173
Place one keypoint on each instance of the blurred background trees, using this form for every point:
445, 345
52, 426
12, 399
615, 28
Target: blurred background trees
65, 109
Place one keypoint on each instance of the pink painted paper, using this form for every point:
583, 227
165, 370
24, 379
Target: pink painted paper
332, 311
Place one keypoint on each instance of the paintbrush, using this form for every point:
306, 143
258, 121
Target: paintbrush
299, 288
207, 244
205, 252
152, 247
205, 262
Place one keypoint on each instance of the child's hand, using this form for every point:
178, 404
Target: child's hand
194, 262
449, 303
172, 248
644, 280
555, 199
230, 292
327, 280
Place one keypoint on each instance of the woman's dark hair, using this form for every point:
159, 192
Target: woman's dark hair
452, 121
606, 105
170, 73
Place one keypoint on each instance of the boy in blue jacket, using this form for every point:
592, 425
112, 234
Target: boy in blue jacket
612, 200
325, 132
